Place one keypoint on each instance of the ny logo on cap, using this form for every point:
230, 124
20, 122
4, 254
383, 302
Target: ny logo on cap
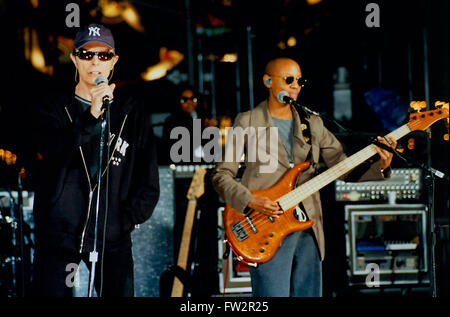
94, 31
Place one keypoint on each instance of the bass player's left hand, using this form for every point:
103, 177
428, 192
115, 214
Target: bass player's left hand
385, 156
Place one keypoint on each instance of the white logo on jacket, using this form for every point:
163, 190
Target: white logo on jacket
121, 150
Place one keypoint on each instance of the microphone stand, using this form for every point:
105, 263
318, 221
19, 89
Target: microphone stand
21, 239
429, 182
17, 237
93, 255
12, 206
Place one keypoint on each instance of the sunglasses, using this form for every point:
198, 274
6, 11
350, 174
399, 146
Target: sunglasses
290, 79
88, 55
186, 99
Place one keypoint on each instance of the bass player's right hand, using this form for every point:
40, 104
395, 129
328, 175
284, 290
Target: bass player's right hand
265, 206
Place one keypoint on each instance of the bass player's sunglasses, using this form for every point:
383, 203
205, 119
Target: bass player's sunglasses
88, 55
290, 79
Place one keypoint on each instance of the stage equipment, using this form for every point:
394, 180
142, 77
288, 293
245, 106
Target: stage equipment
16, 248
405, 184
234, 276
187, 171
392, 237
196, 189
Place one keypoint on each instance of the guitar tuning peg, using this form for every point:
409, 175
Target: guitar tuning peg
440, 104
418, 105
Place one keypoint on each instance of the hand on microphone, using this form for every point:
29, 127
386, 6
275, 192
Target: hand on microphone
97, 95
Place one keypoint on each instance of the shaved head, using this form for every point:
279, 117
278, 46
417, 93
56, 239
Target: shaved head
276, 63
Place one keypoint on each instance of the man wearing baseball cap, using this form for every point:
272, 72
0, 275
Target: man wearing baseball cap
70, 224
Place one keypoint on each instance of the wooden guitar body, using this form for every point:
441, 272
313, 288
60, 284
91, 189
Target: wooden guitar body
257, 237
196, 189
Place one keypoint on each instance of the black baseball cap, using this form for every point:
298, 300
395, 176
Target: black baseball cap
93, 33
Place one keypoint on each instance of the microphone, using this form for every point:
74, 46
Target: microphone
283, 97
99, 80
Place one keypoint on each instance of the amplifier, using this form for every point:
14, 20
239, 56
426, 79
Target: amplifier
188, 170
394, 237
234, 276
404, 184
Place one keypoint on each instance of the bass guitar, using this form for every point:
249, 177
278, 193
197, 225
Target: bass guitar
256, 237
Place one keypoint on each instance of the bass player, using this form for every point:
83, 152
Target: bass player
296, 268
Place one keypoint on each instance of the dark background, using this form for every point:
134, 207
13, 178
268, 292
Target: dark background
329, 34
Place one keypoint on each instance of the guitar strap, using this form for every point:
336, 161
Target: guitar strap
299, 211
304, 127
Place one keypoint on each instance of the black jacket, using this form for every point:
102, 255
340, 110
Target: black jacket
65, 200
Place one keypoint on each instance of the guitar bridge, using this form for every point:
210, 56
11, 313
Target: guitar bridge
239, 231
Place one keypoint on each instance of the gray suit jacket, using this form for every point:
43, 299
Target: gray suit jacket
323, 144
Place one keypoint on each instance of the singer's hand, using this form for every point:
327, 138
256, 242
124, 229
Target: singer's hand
97, 94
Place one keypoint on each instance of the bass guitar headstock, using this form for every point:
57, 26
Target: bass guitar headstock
422, 120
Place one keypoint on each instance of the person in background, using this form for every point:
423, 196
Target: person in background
188, 110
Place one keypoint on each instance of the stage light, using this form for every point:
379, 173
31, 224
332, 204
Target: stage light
155, 72
111, 9
168, 60
131, 16
313, 2
118, 11
8, 157
292, 41
281, 45
224, 126
418, 105
34, 53
229, 58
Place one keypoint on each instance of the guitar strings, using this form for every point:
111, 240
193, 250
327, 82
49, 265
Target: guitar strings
307, 190
260, 220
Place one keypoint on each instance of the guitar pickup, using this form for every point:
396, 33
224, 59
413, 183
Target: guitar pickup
239, 231
252, 226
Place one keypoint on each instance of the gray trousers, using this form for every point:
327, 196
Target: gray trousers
295, 269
